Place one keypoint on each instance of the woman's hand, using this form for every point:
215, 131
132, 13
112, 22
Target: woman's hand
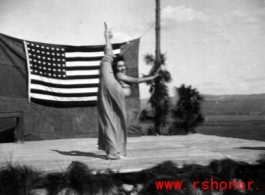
158, 70
157, 73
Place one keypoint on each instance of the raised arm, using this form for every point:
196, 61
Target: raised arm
128, 79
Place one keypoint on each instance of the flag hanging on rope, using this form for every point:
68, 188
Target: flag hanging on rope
61, 75
64, 73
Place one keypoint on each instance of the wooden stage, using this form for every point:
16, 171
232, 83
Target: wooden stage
143, 152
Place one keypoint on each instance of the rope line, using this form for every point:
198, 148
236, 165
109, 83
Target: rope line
147, 30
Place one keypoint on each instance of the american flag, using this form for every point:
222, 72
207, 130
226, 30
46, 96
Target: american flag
64, 75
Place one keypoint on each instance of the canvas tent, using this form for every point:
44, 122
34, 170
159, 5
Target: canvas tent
49, 122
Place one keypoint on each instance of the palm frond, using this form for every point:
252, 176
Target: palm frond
188, 110
149, 59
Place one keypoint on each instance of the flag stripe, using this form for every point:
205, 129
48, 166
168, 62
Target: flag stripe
64, 82
64, 90
90, 48
64, 86
72, 59
82, 68
37, 91
50, 97
83, 72
83, 63
88, 54
83, 77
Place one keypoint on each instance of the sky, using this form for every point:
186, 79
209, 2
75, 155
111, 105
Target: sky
215, 46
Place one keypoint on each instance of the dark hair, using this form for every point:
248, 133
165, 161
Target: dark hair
115, 61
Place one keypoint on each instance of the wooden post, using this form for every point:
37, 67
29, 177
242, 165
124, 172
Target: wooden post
157, 30
157, 58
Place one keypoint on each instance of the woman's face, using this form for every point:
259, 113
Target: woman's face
121, 67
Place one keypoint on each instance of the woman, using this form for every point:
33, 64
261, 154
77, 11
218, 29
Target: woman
112, 133
119, 68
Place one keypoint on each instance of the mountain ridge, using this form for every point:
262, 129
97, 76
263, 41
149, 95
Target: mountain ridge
227, 104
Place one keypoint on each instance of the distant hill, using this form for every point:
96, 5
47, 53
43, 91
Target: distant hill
253, 104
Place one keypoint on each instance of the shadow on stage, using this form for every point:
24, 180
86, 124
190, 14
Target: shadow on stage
252, 148
79, 153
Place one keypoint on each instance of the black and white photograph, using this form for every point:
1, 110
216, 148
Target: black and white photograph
132, 97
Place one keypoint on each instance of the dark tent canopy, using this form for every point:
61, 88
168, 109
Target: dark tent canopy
44, 121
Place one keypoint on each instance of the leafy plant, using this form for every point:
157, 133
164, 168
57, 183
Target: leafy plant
159, 99
18, 179
187, 113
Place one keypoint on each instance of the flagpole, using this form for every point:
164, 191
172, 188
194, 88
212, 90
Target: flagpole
29, 74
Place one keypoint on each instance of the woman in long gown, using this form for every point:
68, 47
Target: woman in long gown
112, 135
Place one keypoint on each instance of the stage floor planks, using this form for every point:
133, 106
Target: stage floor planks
143, 152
